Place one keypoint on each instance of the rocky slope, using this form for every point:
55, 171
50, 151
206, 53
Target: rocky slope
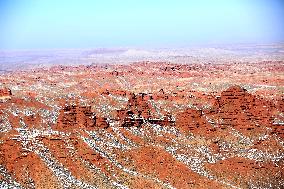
108, 137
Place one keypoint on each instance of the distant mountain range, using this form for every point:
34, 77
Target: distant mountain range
28, 59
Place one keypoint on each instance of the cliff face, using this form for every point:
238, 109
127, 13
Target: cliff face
73, 116
139, 111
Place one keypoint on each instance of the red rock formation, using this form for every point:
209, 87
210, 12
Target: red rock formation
101, 122
226, 133
189, 120
135, 112
5, 94
193, 120
235, 108
73, 117
243, 111
139, 106
138, 111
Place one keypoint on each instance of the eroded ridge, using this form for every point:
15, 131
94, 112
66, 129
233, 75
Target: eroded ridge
143, 125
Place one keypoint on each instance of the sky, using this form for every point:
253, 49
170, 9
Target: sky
41, 24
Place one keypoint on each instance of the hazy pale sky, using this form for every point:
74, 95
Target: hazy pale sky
26, 24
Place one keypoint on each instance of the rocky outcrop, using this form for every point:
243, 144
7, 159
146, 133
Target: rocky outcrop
235, 108
73, 116
192, 120
5, 94
136, 111
139, 111
139, 105
150, 126
244, 111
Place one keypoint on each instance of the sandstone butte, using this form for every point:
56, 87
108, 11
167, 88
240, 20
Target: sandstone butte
110, 137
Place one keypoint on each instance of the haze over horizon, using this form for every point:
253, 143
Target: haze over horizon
31, 24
